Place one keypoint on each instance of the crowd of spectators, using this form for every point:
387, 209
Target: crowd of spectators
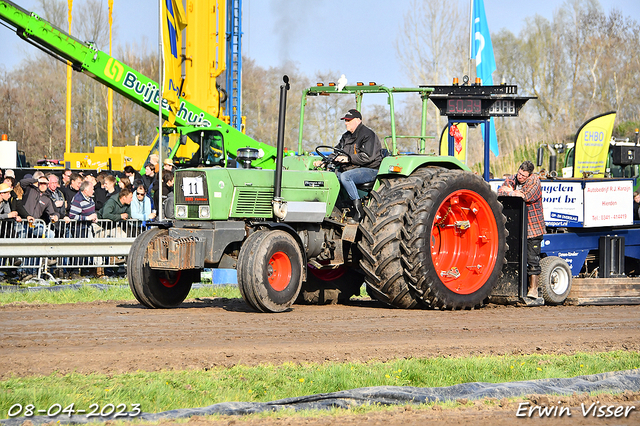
39, 206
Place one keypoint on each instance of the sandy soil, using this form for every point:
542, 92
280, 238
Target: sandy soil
116, 337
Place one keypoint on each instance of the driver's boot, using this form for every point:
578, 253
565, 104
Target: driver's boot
359, 212
533, 287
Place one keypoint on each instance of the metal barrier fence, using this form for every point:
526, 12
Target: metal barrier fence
38, 248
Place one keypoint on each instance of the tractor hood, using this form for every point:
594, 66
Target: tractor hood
221, 194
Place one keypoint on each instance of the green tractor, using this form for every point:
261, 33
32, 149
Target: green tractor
433, 234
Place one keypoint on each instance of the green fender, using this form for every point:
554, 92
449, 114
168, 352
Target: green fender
405, 165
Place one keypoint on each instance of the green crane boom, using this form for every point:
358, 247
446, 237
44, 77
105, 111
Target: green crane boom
86, 58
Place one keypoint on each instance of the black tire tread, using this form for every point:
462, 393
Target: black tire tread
380, 245
245, 258
252, 261
144, 281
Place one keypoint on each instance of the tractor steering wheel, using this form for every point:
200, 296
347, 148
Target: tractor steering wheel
336, 151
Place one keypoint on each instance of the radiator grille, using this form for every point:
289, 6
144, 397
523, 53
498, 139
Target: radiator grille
253, 203
193, 211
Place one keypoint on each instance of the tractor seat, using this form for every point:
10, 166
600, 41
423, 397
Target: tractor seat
367, 186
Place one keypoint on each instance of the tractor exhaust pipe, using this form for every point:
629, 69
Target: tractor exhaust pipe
553, 156
280, 206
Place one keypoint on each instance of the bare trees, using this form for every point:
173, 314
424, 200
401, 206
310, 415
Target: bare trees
260, 101
34, 91
431, 45
581, 64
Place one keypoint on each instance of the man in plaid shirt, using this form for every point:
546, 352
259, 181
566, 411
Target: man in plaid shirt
527, 185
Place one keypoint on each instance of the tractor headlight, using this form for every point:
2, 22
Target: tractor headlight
181, 212
203, 212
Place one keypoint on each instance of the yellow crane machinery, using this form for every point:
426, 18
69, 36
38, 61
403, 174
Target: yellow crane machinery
201, 132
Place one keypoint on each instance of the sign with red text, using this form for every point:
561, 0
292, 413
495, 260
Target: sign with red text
608, 203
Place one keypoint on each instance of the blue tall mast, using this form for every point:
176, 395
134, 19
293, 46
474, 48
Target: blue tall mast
234, 62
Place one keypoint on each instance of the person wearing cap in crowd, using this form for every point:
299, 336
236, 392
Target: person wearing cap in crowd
98, 189
168, 164
36, 205
36, 202
90, 177
9, 173
8, 205
363, 157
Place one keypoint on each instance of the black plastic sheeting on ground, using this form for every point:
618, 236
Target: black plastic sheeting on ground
79, 285
616, 382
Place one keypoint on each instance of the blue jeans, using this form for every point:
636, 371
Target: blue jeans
353, 177
38, 230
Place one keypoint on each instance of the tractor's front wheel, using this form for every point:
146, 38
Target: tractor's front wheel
270, 270
152, 287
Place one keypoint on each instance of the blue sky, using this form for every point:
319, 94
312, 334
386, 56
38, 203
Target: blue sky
362, 45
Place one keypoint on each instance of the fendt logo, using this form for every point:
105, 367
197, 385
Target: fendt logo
114, 70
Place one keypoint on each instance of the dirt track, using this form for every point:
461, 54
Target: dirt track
115, 337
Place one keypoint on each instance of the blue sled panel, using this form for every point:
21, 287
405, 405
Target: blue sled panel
575, 246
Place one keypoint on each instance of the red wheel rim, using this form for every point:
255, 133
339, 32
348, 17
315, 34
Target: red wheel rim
171, 282
464, 241
327, 274
279, 271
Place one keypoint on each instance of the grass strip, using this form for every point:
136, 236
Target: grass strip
114, 291
166, 390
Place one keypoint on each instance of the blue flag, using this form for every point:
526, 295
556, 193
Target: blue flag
482, 51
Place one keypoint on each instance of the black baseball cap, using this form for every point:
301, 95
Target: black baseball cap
351, 114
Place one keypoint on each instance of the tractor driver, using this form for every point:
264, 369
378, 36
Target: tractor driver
361, 164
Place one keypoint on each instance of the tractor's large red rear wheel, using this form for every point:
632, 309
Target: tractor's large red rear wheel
456, 241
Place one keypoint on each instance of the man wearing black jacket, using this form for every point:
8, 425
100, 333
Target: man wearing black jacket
70, 191
360, 165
